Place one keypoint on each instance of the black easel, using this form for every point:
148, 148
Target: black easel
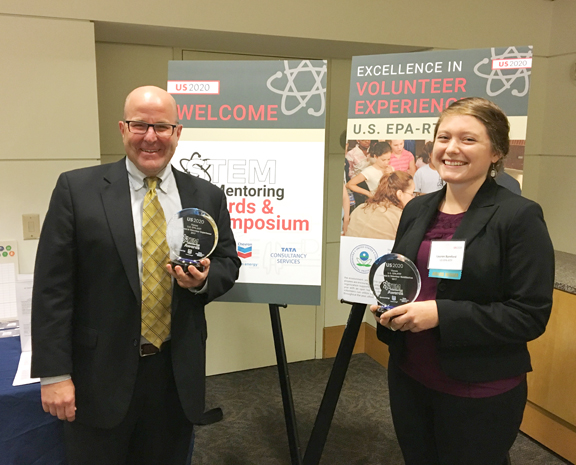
285, 387
331, 394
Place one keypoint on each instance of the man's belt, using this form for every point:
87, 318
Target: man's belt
148, 349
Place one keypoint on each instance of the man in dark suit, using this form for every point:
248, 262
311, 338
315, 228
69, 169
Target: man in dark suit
129, 396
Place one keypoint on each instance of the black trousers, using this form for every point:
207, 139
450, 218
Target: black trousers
154, 432
434, 428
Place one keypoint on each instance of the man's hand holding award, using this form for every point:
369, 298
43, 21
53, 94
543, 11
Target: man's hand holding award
192, 235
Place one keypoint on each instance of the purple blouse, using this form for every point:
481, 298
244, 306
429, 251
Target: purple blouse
421, 361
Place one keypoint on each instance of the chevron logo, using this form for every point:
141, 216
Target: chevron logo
245, 250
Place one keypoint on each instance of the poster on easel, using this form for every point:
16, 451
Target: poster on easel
394, 104
256, 130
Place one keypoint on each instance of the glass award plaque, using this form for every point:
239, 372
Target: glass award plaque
394, 280
192, 235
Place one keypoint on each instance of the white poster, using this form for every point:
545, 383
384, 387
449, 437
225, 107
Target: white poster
256, 130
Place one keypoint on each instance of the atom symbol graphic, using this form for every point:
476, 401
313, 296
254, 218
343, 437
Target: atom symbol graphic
506, 80
196, 166
302, 98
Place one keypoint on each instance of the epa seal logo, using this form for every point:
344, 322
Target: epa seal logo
362, 257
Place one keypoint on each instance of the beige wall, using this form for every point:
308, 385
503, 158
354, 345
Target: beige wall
551, 153
442, 24
49, 71
338, 90
121, 68
48, 116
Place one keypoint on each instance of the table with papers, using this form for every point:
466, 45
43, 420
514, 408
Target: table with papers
28, 435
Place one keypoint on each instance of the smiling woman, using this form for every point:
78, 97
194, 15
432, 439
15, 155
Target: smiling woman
458, 355
470, 143
463, 154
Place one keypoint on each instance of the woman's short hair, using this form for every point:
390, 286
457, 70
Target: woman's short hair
387, 187
380, 149
490, 115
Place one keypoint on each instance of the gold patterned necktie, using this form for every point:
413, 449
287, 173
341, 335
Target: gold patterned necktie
156, 281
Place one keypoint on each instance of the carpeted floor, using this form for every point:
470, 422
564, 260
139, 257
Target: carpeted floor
253, 431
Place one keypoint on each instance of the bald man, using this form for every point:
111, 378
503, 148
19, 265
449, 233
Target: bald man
124, 398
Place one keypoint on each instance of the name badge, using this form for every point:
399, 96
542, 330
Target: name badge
446, 258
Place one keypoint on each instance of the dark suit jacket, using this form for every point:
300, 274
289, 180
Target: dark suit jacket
504, 298
87, 295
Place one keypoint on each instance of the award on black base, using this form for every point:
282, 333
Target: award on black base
394, 280
192, 235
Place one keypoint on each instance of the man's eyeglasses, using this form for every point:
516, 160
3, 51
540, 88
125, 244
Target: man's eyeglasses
161, 129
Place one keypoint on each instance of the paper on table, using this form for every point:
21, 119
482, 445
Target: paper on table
24, 306
23, 372
7, 291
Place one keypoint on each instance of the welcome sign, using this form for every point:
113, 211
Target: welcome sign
256, 130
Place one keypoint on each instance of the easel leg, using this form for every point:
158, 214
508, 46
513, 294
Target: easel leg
287, 400
334, 386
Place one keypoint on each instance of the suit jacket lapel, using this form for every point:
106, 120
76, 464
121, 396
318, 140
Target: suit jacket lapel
115, 194
413, 237
186, 188
188, 198
479, 213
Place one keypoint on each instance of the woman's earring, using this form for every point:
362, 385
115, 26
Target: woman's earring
493, 170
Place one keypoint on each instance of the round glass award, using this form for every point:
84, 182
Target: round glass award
394, 280
192, 235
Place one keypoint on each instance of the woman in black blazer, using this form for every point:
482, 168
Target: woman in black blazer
458, 355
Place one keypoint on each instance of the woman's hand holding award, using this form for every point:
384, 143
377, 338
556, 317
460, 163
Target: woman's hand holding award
394, 280
192, 235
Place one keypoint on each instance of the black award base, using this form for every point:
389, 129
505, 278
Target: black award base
184, 264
